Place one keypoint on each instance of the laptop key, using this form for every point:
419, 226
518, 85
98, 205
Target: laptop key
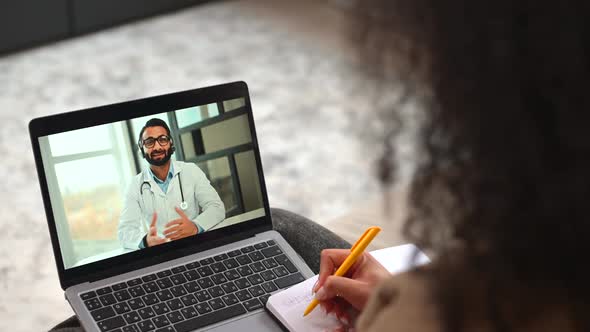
131, 317
92, 304
203, 295
289, 280
178, 269
161, 321
280, 271
269, 287
134, 282
163, 274
119, 286
270, 263
271, 251
146, 325
247, 249
283, 260
203, 308
164, 283
231, 263
244, 259
166, 329
219, 279
178, 279
216, 291
256, 256
189, 312
192, 265
253, 304
205, 271
189, 300
257, 267
255, 279
111, 323
175, 304
102, 313
164, 295
88, 295
149, 277
220, 257
174, 317
243, 295
218, 267
242, 283
160, 309
271, 242
121, 308
178, 291
191, 275
192, 286
206, 261
231, 274
122, 295
150, 299
216, 304
229, 287
146, 313
104, 290
256, 291
136, 304
244, 270
150, 287
210, 318
136, 291
268, 275
260, 245
229, 299
234, 253
130, 328
107, 299
205, 282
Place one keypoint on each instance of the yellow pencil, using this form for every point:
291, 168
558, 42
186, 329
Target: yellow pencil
357, 249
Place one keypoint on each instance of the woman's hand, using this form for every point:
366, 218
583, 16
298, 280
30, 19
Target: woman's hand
348, 294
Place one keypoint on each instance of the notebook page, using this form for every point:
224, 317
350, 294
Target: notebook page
288, 306
291, 304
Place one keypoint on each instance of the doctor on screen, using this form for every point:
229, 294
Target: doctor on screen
170, 199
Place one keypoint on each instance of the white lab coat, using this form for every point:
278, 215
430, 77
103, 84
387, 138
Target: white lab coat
205, 208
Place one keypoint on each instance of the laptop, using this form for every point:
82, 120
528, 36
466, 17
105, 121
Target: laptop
138, 249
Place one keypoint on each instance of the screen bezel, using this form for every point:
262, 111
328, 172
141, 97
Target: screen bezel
95, 116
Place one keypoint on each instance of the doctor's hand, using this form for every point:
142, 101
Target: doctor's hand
179, 228
152, 238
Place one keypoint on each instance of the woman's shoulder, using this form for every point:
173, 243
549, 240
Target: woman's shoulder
402, 302
413, 301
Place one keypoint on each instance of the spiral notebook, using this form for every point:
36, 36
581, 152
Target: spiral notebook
287, 306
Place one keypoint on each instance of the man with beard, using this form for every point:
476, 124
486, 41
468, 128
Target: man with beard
170, 199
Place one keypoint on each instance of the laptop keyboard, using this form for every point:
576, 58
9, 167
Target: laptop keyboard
198, 294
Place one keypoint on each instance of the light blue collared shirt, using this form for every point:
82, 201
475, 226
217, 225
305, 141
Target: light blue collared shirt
164, 184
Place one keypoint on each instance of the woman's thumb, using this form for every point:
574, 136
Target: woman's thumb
353, 291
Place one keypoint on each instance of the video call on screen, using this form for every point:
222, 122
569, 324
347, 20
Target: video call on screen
90, 174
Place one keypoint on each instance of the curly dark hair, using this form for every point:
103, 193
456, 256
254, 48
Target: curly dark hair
504, 187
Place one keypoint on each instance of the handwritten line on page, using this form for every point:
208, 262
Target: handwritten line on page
288, 305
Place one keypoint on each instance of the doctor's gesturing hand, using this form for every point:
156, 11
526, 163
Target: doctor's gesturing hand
179, 228
152, 238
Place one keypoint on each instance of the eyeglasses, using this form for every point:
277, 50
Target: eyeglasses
149, 142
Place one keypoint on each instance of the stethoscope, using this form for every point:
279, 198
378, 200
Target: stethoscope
183, 203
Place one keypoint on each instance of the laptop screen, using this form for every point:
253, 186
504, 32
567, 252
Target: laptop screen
123, 186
